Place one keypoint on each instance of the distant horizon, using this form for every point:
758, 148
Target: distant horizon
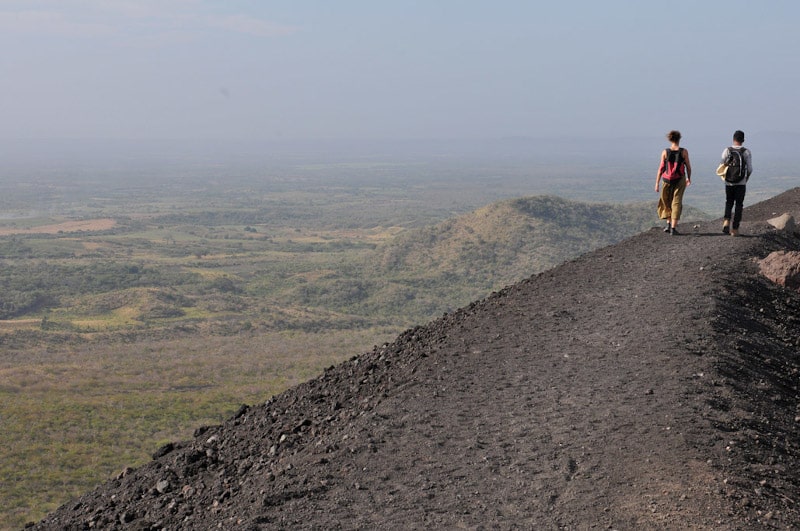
526, 166
770, 140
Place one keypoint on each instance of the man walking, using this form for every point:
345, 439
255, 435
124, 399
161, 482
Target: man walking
740, 166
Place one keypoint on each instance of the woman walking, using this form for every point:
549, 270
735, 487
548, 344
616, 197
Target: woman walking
673, 176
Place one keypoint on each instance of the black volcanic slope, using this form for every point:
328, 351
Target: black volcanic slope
648, 385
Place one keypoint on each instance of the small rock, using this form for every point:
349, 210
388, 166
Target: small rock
783, 268
163, 486
784, 222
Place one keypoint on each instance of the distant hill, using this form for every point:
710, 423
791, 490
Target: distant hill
462, 258
516, 237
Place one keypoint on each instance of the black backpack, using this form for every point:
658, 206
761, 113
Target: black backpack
673, 165
737, 167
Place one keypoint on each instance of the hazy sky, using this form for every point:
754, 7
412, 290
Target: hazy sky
264, 69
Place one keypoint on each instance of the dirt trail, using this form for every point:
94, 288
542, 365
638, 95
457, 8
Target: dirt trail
647, 385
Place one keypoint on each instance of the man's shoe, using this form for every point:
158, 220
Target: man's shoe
666, 229
726, 229
674, 231
734, 232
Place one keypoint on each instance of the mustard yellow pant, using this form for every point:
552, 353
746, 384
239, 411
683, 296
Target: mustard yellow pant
670, 203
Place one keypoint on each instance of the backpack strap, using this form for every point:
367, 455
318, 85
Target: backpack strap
740, 153
680, 158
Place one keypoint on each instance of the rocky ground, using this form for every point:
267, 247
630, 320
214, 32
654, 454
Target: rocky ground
648, 385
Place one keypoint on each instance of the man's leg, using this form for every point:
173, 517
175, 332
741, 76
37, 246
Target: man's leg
729, 200
738, 199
